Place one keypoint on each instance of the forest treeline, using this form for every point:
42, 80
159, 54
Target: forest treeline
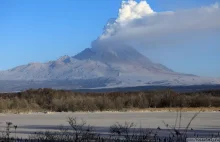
60, 100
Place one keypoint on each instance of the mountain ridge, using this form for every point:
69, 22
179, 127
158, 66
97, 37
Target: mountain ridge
109, 66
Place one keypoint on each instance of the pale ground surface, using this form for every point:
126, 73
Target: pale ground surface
204, 124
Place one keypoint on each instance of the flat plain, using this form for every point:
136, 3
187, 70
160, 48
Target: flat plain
206, 123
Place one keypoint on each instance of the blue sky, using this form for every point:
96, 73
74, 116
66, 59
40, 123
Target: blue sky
39, 31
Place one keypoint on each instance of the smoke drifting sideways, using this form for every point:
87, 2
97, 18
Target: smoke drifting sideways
138, 23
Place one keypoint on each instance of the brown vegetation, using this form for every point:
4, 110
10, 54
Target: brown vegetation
58, 100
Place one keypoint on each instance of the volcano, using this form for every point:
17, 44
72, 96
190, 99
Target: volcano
97, 67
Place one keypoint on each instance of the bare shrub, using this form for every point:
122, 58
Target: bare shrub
175, 131
129, 133
78, 132
58, 100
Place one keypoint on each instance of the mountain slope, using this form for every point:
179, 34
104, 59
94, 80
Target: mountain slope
109, 66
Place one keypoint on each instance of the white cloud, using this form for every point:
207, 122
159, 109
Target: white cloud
131, 10
216, 5
137, 22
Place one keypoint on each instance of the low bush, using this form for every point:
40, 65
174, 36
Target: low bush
59, 100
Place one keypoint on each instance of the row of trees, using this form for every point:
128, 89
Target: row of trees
59, 100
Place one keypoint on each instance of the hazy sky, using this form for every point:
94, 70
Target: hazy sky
39, 31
